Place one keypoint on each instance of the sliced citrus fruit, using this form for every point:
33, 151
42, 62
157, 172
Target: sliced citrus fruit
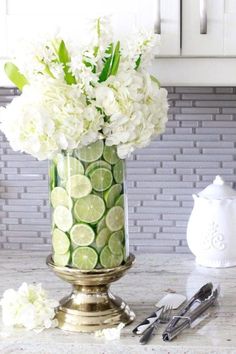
101, 224
62, 218
59, 196
120, 201
69, 166
101, 179
112, 194
78, 186
61, 259
110, 260
90, 152
96, 164
84, 258
89, 209
115, 218
118, 171
110, 154
82, 235
102, 237
60, 242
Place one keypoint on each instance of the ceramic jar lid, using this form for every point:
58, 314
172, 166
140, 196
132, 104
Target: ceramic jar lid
218, 190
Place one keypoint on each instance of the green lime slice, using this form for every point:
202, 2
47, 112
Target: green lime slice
115, 244
60, 242
61, 259
69, 166
112, 194
120, 201
59, 196
82, 235
119, 235
101, 224
97, 164
102, 237
118, 171
110, 260
101, 179
62, 218
84, 258
78, 186
89, 209
115, 218
110, 154
90, 152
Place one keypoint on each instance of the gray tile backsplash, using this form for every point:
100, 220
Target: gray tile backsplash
199, 143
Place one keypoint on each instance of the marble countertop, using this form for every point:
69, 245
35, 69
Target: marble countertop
151, 277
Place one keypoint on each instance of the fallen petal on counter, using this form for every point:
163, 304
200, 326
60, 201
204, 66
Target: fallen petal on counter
110, 333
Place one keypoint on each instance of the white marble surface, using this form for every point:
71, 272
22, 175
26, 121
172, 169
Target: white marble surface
142, 287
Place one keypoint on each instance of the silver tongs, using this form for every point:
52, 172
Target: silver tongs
206, 297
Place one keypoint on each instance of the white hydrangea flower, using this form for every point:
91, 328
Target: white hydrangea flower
74, 102
48, 118
28, 307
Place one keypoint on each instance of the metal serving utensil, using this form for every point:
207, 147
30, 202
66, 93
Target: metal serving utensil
164, 317
172, 300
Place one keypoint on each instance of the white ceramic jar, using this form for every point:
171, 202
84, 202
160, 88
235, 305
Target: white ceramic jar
211, 231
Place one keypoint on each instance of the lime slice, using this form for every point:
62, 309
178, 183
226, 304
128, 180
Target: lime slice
82, 235
102, 237
89, 209
119, 235
115, 218
118, 171
101, 179
101, 224
110, 260
78, 186
69, 166
115, 244
61, 259
60, 242
100, 163
120, 201
59, 196
84, 258
110, 154
90, 152
63, 218
112, 194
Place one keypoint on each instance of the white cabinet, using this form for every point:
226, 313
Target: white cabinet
219, 18
186, 56
31, 19
208, 14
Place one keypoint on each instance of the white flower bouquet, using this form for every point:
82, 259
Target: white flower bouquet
73, 96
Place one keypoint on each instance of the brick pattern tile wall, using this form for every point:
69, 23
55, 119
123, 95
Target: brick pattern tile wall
198, 144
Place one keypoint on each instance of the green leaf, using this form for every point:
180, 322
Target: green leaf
107, 64
63, 53
15, 75
154, 79
138, 62
115, 60
64, 58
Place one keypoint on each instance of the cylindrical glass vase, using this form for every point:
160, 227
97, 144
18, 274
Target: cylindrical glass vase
89, 208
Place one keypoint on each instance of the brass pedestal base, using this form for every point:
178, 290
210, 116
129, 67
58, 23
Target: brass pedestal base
91, 306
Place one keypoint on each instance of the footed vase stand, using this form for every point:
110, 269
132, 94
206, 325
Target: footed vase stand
91, 306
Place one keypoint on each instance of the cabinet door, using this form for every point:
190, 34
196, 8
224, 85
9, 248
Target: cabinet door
195, 43
230, 27
164, 19
30, 19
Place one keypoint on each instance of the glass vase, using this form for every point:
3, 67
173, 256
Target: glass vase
89, 208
